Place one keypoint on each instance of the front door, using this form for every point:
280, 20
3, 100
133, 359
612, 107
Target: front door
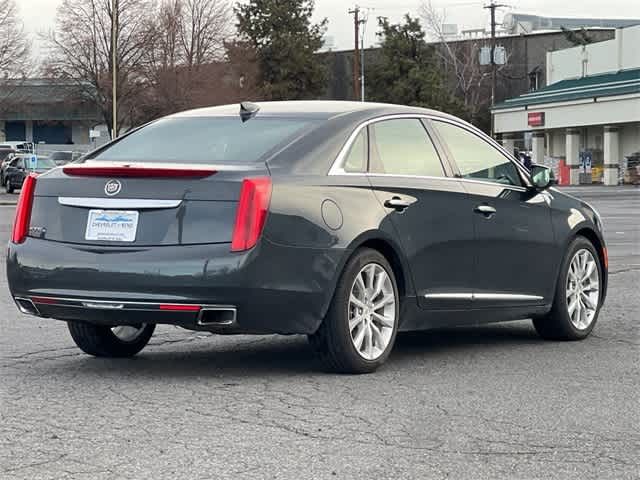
515, 257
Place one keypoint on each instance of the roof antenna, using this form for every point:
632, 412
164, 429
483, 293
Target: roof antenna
248, 110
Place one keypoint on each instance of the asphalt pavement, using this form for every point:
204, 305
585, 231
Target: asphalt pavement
476, 403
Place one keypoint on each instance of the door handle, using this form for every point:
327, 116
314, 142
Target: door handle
486, 210
397, 204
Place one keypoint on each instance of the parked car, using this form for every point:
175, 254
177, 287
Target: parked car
20, 146
5, 158
20, 167
61, 158
346, 222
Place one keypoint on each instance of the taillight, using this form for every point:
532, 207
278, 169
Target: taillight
23, 210
253, 206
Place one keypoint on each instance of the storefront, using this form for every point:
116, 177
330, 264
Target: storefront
586, 122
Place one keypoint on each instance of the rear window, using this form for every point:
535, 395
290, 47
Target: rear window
204, 140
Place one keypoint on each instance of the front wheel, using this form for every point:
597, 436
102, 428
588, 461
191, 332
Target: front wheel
578, 297
360, 328
103, 341
8, 186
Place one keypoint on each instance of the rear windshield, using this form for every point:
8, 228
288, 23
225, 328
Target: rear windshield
204, 140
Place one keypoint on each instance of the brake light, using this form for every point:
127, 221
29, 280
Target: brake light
137, 171
253, 206
23, 210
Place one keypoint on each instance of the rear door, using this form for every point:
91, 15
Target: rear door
428, 208
515, 256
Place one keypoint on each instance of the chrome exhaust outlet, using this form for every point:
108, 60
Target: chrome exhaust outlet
218, 316
26, 306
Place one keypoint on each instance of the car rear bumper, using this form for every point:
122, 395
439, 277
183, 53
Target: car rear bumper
270, 289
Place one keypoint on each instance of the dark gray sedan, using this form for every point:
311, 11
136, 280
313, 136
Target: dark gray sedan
346, 222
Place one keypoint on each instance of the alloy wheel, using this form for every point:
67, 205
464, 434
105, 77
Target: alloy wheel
583, 289
128, 333
372, 311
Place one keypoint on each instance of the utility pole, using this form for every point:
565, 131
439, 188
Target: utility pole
114, 68
492, 8
356, 53
362, 62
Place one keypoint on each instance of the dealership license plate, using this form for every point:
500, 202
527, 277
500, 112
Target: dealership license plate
112, 226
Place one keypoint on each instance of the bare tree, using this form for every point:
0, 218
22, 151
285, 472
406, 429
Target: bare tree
469, 79
81, 50
187, 65
14, 46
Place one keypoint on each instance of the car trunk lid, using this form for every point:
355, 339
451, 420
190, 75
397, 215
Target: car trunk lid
120, 204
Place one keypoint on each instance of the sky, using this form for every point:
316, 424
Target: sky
39, 15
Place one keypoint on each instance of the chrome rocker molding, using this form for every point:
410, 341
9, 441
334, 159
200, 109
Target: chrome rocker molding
483, 296
118, 203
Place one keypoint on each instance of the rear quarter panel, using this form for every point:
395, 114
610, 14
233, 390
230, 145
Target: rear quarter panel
332, 215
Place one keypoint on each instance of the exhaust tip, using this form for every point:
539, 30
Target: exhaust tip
217, 316
26, 306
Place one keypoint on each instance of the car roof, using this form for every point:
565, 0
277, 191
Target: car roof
320, 109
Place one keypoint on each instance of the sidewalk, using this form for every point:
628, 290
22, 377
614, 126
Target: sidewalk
6, 199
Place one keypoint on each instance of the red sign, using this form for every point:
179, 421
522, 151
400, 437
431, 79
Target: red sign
536, 119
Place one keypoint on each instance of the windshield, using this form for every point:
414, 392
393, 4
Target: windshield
204, 140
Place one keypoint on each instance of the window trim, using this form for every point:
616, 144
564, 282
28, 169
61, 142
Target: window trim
439, 154
337, 168
524, 175
367, 146
451, 168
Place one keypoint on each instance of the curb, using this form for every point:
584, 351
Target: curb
7, 203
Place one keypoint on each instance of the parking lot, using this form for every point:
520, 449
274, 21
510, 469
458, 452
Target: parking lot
478, 403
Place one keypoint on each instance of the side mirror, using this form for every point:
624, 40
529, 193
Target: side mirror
541, 176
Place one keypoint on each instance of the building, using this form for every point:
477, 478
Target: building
587, 119
525, 69
522, 23
48, 113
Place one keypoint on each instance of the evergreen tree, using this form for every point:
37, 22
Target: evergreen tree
285, 40
409, 72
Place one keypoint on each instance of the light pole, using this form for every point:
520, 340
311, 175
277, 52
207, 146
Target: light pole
114, 67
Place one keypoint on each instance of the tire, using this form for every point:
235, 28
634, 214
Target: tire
8, 186
333, 342
101, 341
559, 323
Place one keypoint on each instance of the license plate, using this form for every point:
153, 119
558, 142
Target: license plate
112, 226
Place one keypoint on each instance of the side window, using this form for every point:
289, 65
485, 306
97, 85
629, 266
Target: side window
476, 158
403, 147
356, 160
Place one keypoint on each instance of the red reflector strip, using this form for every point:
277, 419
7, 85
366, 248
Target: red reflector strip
605, 255
180, 308
44, 300
138, 172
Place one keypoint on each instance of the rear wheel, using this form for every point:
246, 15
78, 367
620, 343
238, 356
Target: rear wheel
577, 299
103, 341
360, 328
